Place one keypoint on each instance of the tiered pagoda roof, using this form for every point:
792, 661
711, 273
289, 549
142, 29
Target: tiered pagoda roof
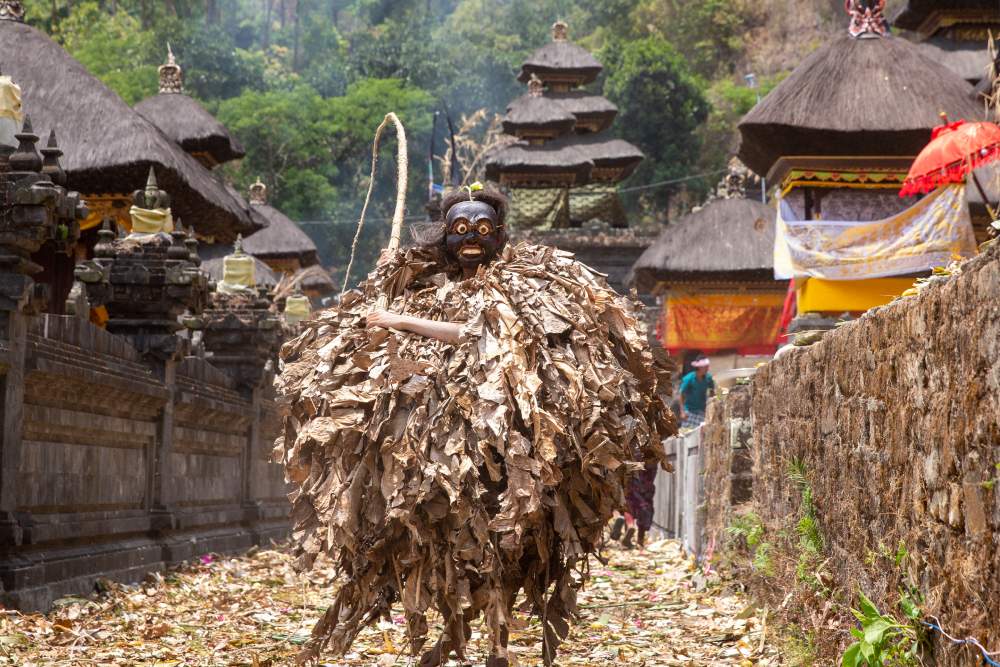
870, 96
108, 147
186, 122
559, 126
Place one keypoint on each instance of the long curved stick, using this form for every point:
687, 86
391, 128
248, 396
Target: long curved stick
402, 169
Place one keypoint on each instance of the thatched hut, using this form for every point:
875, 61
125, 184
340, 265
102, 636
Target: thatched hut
186, 122
108, 147
837, 137
714, 273
853, 98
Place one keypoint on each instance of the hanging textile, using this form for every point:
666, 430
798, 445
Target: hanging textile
597, 202
928, 234
546, 208
747, 323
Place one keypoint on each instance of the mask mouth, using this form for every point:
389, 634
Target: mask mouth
470, 252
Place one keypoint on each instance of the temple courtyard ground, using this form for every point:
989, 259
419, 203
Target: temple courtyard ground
644, 608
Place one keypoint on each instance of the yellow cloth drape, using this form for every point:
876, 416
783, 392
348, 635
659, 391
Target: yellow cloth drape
237, 274
715, 321
151, 221
10, 99
106, 207
928, 234
816, 295
297, 308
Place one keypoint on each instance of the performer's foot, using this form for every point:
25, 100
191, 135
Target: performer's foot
432, 658
627, 541
642, 538
616, 528
494, 661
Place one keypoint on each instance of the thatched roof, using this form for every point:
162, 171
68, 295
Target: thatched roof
108, 147
212, 256
605, 151
315, 279
913, 15
855, 97
527, 109
535, 112
281, 237
726, 239
561, 60
547, 159
971, 62
189, 125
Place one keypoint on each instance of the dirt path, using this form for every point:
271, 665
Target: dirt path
643, 609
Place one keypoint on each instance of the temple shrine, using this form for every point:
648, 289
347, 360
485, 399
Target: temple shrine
712, 272
836, 139
563, 169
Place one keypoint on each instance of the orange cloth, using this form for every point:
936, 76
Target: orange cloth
722, 321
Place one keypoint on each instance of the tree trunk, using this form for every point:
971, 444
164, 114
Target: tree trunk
267, 24
295, 42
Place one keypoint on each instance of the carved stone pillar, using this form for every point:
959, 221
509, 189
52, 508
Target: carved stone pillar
240, 330
146, 280
33, 210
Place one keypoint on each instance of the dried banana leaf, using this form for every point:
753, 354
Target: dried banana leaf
454, 477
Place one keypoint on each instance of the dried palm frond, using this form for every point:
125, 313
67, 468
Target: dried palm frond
455, 477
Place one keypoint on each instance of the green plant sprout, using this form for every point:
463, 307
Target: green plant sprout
882, 640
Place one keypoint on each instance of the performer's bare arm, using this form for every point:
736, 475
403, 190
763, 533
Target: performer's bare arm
448, 332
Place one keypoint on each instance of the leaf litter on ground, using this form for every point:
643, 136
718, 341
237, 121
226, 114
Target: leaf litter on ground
642, 609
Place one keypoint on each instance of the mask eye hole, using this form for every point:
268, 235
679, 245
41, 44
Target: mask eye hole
460, 227
485, 229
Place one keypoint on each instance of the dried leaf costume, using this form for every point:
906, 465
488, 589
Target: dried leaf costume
453, 477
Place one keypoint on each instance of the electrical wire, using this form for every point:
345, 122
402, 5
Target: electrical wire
673, 181
970, 641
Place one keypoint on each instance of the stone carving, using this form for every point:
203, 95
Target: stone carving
171, 75
147, 280
12, 10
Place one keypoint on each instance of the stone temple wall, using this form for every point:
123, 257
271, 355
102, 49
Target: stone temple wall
892, 425
113, 467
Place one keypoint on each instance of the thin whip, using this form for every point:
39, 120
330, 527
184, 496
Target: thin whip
402, 166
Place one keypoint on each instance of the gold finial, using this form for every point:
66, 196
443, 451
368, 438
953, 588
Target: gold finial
258, 193
171, 74
560, 31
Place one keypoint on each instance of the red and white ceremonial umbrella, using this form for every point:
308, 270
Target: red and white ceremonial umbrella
955, 151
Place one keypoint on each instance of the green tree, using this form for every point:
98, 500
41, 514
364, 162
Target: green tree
661, 105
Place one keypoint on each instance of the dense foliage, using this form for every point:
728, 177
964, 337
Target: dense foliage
303, 83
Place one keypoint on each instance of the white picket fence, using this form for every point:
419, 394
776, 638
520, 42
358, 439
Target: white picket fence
679, 494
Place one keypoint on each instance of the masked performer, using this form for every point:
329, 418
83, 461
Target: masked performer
470, 442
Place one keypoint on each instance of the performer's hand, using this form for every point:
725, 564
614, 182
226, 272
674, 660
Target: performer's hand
383, 318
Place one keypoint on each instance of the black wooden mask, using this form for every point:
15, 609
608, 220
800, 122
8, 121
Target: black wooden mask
474, 234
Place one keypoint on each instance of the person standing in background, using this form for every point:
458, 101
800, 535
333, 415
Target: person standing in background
694, 393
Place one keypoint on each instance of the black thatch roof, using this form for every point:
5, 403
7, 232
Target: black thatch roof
605, 151
212, 256
726, 239
528, 110
560, 57
535, 112
189, 125
108, 147
915, 12
550, 158
971, 62
855, 97
281, 237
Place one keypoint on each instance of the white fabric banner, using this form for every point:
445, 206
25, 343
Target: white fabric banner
932, 232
